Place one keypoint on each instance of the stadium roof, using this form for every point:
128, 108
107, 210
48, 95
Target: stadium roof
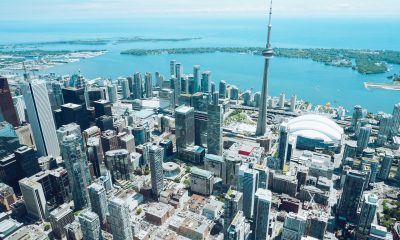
315, 127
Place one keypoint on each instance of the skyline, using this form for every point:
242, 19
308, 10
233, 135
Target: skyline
126, 9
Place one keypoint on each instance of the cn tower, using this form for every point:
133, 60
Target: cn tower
268, 54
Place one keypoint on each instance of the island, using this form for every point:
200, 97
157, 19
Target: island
94, 42
362, 61
141, 39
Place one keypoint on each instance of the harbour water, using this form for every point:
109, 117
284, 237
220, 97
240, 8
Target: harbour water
309, 80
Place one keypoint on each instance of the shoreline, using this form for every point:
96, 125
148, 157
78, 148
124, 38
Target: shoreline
383, 86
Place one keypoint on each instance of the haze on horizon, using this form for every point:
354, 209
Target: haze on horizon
64, 10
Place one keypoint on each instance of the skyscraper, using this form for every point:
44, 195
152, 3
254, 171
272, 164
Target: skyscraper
175, 85
293, 101
353, 189
137, 86
386, 165
112, 93
77, 113
27, 161
156, 155
222, 89
212, 87
396, 119
148, 85
167, 99
263, 175
262, 113
262, 211
184, 127
206, 82
7, 110
41, 118
283, 144
282, 101
363, 138
19, 106
369, 206
233, 203
126, 93
73, 153
119, 163
214, 127
68, 129
358, 113
178, 76
159, 79
385, 128
98, 200
172, 67
90, 225
196, 78
119, 219
35, 201
95, 154
248, 185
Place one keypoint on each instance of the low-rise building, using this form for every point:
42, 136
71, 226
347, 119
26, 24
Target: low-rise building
158, 213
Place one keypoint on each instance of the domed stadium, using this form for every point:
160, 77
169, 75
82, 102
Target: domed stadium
315, 131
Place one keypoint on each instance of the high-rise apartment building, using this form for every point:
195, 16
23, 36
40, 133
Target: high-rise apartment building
90, 225
363, 138
76, 163
369, 206
120, 224
386, 165
148, 85
98, 200
156, 157
137, 86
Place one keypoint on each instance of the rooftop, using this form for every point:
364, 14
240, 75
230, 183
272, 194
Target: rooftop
315, 126
184, 109
201, 172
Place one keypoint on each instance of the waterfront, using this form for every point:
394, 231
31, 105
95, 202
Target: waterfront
319, 84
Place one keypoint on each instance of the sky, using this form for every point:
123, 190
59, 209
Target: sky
64, 10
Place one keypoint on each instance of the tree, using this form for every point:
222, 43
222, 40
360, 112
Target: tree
138, 211
46, 227
187, 183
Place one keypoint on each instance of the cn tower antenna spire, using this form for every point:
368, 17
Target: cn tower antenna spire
269, 27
